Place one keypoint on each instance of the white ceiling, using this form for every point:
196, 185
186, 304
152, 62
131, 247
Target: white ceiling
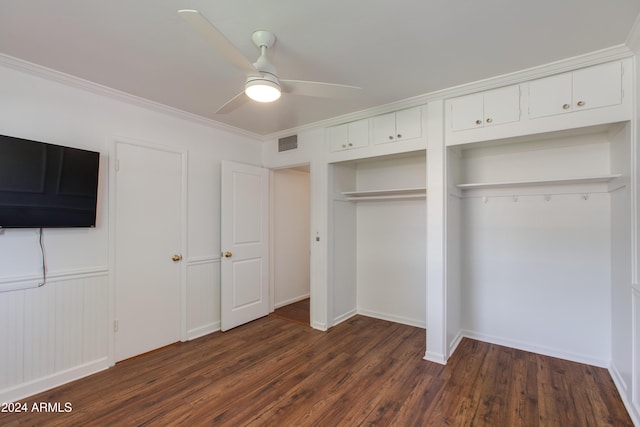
394, 50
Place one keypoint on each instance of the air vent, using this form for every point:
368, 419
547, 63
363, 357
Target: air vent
288, 143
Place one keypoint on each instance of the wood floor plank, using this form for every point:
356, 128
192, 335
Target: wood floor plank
298, 312
362, 372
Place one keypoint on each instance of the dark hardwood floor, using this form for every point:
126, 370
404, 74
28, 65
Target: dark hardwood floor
361, 372
297, 312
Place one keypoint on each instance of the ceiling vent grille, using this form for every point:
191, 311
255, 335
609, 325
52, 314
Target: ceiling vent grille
288, 143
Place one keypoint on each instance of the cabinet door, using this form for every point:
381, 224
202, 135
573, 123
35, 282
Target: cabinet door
384, 128
550, 96
358, 134
409, 123
338, 137
466, 112
502, 106
598, 86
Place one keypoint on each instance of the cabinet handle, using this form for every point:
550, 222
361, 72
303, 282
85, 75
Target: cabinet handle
581, 103
565, 106
478, 122
390, 137
489, 120
399, 135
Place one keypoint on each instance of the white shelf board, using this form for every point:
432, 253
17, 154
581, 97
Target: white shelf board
554, 181
395, 193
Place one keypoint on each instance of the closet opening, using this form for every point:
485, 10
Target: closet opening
377, 223
290, 244
539, 240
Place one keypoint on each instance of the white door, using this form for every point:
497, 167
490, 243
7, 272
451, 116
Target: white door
502, 105
384, 128
598, 86
467, 112
148, 236
244, 243
550, 96
409, 123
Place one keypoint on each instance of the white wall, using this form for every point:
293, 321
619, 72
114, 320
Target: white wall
290, 237
60, 331
634, 189
391, 242
536, 274
621, 304
625, 363
391, 254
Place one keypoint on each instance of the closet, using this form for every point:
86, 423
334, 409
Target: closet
377, 253
539, 239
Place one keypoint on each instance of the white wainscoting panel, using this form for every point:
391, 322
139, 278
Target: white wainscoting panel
12, 338
203, 296
53, 334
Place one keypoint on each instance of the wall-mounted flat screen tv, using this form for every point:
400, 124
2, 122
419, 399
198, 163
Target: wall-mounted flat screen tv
46, 185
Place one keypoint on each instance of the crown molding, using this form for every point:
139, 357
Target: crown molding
609, 54
568, 64
98, 89
633, 39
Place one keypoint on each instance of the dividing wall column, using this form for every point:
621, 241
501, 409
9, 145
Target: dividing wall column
436, 225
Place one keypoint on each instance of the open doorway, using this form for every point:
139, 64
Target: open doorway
290, 243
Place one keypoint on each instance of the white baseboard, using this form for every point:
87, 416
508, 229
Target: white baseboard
435, 357
625, 395
291, 301
546, 351
393, 318
456, 341
319, 326
346, 316
21, 391
201, 331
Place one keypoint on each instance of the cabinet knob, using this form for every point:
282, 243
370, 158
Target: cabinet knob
344, 145
489, 120
478, 122
581, 103
399, 135
565, 106
350, 145
227, 254
390, 137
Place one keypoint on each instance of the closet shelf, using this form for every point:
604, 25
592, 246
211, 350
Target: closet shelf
554, 181
395, 193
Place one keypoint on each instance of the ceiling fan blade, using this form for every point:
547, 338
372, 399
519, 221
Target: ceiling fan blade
211, 34
319, 89
235, 102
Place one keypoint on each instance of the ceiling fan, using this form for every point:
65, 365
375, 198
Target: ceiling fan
262, 84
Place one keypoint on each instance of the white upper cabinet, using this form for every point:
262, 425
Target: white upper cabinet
349, 135
490, 108
401, 125
593, 87
590, 96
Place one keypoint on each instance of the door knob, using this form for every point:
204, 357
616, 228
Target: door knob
176, 258
227, 254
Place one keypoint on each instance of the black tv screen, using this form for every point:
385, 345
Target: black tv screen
46, 185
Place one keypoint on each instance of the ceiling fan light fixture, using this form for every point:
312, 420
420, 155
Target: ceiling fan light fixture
262, 90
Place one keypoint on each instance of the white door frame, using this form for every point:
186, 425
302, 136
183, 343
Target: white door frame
272, 219
112, 164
